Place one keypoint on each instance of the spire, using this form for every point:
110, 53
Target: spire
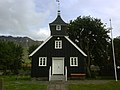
58, 26
58, 20
58, 1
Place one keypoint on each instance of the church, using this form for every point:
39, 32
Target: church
57, 58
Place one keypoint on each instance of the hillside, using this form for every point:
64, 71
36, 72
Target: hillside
23, 41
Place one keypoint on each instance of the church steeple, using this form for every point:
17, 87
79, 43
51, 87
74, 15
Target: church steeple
58, 27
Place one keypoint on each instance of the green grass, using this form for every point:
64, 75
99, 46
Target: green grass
22, 83
112, 85
25, 83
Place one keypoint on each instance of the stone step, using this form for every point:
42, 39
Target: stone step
57, 77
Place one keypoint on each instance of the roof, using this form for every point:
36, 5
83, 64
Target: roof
50, 38
58, 20
75, 46
40, 46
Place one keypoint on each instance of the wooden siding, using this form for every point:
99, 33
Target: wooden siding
49, 51
54, 32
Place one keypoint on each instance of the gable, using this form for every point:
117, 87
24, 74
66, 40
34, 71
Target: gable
75, 46
53, 39
40, 46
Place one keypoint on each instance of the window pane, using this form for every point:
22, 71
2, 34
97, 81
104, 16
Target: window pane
40, 62
58, 27
75, 63
72, 62
44, 62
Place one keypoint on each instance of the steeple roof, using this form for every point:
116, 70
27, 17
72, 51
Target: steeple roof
58, 20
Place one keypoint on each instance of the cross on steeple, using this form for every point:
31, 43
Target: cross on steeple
58, 1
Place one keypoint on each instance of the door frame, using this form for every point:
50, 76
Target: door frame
53, 58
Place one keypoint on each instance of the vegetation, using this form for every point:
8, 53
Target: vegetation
92, 37
105, 86
117, 50
21, 83
10, 57
25, 82
15, 50
32, 48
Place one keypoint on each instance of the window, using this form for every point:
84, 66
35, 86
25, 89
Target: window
58, 44
58, 27
73, 61
42, 61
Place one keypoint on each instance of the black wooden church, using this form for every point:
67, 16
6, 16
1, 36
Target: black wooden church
57, 55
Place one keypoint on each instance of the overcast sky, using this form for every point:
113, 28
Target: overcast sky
32, 17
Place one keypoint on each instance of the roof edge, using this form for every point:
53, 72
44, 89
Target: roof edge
58, 18
40, 46
75, 45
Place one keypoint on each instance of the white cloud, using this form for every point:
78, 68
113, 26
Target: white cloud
40, 34
18, 17
102, 9
31, 17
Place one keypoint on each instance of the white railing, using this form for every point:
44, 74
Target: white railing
65, 73
50, 74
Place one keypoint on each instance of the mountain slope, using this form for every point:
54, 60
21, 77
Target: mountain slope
23, 41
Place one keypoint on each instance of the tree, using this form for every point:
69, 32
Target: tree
117, 54
109, 68
91, 36
117, 50
10, 56
32, 48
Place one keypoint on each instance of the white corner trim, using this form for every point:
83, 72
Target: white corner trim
40, 46
75, 45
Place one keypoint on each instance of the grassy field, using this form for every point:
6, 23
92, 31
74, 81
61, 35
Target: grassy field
109, 85
22, 83
25, 83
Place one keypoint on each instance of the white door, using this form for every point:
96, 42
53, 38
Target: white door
58, 65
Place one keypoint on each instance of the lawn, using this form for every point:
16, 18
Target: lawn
25, 83
22, 83
109, 85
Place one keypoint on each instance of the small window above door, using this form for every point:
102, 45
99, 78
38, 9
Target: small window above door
58, 44
58, 27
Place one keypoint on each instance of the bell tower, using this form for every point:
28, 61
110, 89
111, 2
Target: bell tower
58, 27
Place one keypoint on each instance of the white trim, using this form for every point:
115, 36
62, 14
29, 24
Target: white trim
40, 46
42, 61
75, 46
73, 61
58, 44
53, 58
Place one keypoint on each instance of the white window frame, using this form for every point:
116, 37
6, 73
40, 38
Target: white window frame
58, 44
58, 27
73, 61
42, 61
